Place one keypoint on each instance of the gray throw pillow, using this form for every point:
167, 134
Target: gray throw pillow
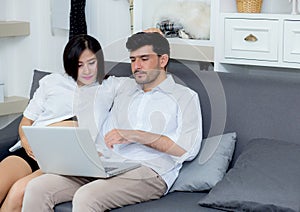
265, 177
209, 166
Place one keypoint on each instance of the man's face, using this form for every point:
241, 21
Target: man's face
147, 67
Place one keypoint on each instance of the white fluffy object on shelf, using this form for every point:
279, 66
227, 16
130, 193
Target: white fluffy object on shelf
193, 16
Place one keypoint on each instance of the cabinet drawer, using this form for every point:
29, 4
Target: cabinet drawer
251, 39
291, 43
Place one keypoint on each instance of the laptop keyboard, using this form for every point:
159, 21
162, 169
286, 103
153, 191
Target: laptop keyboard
109, 169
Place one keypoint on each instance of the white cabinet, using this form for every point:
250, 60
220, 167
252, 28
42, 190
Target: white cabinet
257, 42
271, 40
291, 41
251, 39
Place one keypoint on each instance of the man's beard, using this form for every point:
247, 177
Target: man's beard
149, 76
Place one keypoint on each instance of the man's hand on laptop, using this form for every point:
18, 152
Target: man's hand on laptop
116, 136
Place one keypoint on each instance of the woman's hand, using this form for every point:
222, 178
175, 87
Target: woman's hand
154, 30
27, 148
25, 122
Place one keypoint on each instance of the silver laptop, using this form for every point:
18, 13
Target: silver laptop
70, 151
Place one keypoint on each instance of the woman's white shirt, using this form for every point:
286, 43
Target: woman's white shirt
53, 101
59, 98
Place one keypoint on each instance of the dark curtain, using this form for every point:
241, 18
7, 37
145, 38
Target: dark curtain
77, 18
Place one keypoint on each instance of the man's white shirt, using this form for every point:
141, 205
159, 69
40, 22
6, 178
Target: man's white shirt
169, 109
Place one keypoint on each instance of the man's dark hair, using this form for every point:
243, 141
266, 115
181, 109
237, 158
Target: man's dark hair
159, 43
74, 49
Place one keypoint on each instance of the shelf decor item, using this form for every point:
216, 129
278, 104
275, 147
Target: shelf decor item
1, 92
295, 5
249, 6
131, 15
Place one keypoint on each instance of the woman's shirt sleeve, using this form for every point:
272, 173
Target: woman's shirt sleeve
36, 104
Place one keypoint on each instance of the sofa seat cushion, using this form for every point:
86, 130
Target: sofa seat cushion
173, 202
266, 177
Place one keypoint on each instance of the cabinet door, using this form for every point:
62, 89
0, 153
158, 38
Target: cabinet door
291, 46
251, 39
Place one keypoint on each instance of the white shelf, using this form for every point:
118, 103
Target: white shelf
14, 28
13, 105
192, 52
144, 13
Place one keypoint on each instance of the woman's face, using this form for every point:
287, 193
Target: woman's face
87, 68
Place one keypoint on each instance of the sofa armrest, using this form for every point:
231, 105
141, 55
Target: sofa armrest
9, 136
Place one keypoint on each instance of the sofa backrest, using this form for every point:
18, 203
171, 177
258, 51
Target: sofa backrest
253, 106
37, 75
259, 107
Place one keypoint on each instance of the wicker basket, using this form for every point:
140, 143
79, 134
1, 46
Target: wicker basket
249, 6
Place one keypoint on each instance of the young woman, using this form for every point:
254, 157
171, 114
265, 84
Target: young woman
58, 99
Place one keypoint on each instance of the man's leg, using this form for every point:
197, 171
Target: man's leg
135, 186
44, 192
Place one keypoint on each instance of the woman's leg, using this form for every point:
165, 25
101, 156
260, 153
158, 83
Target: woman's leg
64, 124
14, 198
12, 169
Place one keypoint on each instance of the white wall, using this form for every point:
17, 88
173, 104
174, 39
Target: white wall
110, 23
108, 20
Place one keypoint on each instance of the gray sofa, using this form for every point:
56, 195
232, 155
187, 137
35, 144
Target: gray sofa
264, 111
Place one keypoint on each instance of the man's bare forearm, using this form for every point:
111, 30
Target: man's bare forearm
159, 142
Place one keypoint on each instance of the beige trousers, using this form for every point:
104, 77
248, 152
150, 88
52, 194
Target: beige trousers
90, 194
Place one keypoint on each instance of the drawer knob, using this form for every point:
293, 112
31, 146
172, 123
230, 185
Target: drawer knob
250, 38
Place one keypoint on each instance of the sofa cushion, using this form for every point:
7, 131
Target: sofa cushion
173, 202
168, 203
209, 166
266, 177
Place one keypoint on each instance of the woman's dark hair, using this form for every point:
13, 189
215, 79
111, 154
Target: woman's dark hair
74, 49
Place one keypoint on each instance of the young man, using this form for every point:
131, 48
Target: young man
154, 121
